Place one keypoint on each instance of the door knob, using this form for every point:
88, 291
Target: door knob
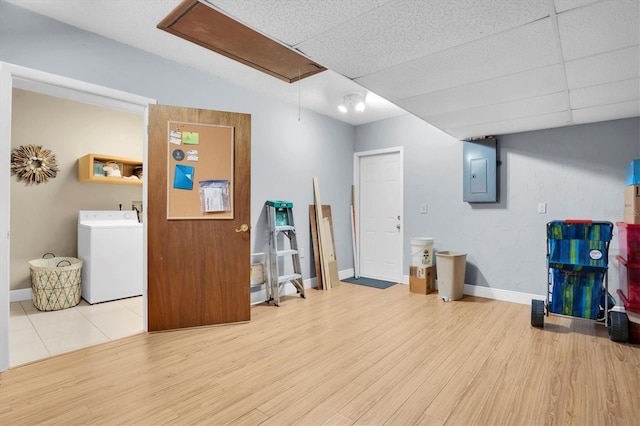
243, 228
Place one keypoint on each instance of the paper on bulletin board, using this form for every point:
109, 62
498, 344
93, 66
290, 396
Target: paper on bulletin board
183, 177
207, 152
175, 137
191, 138
192, 155
214, 195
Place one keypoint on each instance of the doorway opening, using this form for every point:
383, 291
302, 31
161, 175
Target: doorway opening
16, 77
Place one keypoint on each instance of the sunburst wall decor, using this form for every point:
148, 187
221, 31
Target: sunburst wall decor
33, 164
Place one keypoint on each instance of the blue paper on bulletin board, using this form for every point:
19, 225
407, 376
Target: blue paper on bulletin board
183, 177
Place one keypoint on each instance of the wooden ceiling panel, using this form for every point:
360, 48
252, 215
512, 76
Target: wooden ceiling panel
200, 24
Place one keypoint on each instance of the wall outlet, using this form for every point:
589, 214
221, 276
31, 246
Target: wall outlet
423, 208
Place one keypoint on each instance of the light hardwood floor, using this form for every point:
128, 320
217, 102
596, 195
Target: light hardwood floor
350, 355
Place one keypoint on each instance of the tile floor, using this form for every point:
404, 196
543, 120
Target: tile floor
35, 334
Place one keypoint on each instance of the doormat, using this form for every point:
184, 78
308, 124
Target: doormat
369, 282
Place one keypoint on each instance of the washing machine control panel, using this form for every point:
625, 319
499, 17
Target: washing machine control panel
109, 216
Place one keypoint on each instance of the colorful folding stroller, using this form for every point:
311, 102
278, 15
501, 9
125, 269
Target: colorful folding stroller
577, 271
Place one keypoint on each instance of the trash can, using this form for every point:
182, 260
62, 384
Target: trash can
450, 267
421, 251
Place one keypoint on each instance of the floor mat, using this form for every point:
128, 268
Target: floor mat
369, 282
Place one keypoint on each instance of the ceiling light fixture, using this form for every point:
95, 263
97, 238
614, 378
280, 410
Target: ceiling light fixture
353, 101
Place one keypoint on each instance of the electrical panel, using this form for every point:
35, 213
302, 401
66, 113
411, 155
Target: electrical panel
480, 169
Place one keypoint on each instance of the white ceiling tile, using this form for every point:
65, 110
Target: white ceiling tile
605, 94
606, 112
563, 5
293, 22
405, 30
479, 53
528, 47
600, 27
540, 105
623, 64
546, 121
526, 84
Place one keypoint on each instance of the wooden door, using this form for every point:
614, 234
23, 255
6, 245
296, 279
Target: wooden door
380, 233
198, 269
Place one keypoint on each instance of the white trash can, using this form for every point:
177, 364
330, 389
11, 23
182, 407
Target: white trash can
450, 268
421, 251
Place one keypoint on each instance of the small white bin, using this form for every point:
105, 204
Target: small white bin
450, 269
422, 251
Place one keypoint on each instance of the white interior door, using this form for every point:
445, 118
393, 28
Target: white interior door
379, 212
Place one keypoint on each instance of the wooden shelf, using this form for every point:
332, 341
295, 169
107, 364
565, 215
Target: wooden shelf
86, 167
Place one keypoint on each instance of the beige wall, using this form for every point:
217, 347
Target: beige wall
44, 217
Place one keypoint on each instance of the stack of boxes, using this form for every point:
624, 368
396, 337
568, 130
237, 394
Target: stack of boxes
422, 272
629, 257
632, 194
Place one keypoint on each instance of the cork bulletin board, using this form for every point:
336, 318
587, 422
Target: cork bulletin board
200, 171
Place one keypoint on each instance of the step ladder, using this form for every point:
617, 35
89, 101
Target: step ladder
280, 216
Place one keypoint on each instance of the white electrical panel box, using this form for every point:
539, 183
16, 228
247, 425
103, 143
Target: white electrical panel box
480, 169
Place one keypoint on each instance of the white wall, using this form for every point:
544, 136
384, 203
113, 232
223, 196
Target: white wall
578, 171
287, 153
44, 217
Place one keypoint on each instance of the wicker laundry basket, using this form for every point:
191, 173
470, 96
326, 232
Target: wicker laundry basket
55, 282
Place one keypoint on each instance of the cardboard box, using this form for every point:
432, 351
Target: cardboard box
633, 172
257, 274
632, 204
422, 279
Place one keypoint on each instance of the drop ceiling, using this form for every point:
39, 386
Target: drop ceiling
469, 67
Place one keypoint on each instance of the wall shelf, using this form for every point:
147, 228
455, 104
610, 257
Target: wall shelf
86, 169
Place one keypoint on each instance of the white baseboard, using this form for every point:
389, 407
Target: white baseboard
256, 296
495, 293
260, 296
347, 273
20, 295
499, 294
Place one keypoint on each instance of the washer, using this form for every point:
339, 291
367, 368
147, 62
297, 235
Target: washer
110, 245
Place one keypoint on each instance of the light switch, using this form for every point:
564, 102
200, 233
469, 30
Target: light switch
542, 208
423, 208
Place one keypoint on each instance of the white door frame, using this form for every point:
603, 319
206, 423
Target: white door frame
356, 179
15, 76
